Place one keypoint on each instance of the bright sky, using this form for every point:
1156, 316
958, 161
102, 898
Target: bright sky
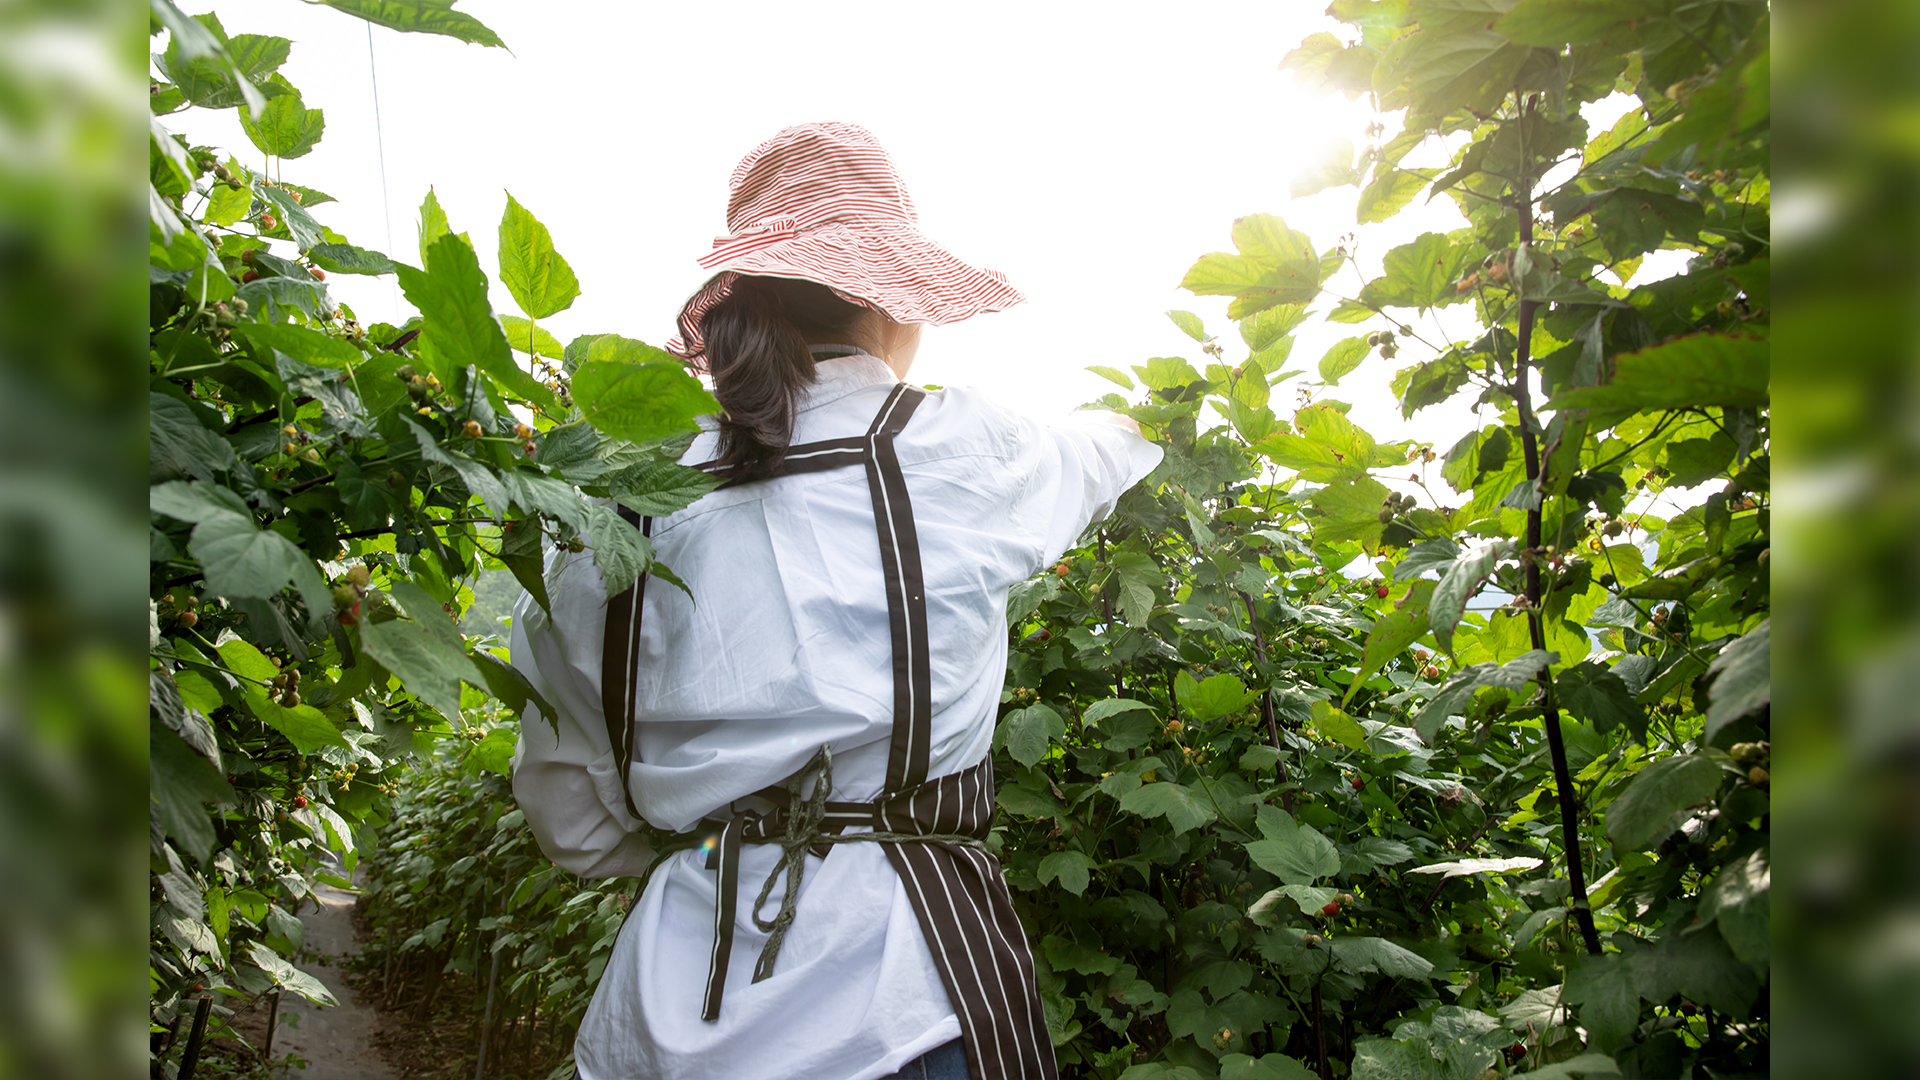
1091, 156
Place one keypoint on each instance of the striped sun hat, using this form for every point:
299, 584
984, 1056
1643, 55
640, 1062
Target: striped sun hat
823, 203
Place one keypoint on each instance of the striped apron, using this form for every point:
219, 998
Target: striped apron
931, 829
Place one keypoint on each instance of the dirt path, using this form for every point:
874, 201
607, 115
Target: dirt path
336, 1042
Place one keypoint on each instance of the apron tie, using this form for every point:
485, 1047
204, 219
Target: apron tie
800, 827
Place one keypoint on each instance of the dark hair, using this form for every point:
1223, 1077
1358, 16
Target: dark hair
756, 348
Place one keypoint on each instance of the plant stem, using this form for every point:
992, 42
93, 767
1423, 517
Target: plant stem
1550, 715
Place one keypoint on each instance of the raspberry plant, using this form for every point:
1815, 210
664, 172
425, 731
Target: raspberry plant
1272, 821
323, 491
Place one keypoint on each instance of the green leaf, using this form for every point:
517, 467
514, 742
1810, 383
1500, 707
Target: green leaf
619, 550
1587, 1066
240, 559
1419, 274
1740, 679
460, 328
1297, 856
179, 445
1639, 816
1069, 868
1609, 998
1596, 695
1386, 1059
1363, 954
1388, 194
1189, 324
227, 204
1167, 799
1275, 265
1337, 726
1697, 370
633, 391
658, 488
1343, 358
523, 550
284, 127
1459, 689
301, 343
1100, 710
1139, 578
526, 337
180, 784
433, 224
1737, 899
1064, 955
421, 17
1219, 695
1391, 634
1458, 585
1309, 898
347, 259
540, 280
480, 480
1324, 446
1549, 23
288, 977
1265, 1067
494, 752
431, 668
209, 69
1111, 374
305, 230
1027, 732
1463, 867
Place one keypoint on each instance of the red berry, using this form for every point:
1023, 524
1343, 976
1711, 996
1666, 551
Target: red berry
318, 273
299, 802
250, 275
1059, 569
1330, 909
1046, 635
1359, 783
247, 255
1381, 591
188, 619
269, 222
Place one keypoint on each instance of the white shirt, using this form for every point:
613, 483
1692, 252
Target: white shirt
781, 647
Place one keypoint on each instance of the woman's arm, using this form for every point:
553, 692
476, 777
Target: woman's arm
565, 780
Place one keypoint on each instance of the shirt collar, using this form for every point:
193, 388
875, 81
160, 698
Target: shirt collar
838, 376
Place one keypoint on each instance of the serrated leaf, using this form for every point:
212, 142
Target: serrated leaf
633, 391
288, 977
421, 17
619, 550
1027, 732
1692, 371
431, 668
179, 445
527, 337
1363, 954
1217, 696
1100, 710
1299, 856
1337, 726
1741, 679
1183, 811
1342, 358
658, 488
1070, 868
538, 277
1640, 814
1458, 585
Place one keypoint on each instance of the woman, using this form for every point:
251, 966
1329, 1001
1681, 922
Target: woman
809, 720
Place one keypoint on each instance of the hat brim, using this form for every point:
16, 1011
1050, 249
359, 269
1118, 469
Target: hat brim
889, 267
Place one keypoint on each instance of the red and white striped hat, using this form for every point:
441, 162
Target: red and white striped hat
823, 203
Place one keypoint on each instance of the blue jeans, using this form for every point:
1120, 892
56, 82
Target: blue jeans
945, 1062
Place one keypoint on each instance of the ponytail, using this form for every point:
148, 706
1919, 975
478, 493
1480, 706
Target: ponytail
756, 349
